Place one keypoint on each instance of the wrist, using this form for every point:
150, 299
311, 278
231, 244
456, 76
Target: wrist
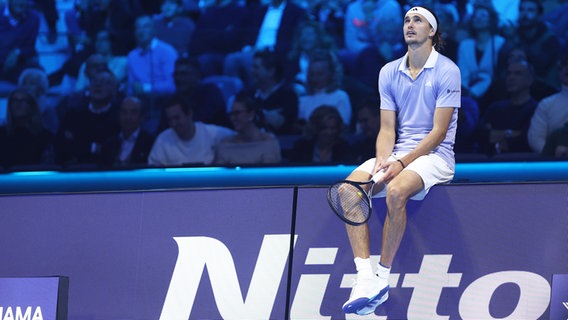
401, 163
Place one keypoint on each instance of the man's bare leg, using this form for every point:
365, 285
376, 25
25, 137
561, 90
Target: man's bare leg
399, 190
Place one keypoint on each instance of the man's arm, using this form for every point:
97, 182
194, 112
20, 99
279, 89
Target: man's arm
385, 139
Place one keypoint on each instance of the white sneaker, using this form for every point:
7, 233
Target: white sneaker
367, 294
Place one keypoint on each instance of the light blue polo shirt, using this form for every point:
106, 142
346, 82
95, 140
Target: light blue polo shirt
438, 85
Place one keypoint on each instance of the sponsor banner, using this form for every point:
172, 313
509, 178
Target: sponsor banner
470, 252
559, 304
36, 298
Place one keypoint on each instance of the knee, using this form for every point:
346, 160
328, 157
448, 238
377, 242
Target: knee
396, 197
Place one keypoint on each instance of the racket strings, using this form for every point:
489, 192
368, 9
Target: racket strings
350, 201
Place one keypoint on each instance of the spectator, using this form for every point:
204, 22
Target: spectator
310, 37
24, 140
330, 14
151, 64
206, 99
324, 88
132, 144
104, 57
379, 39
551, 113
539, 42
468, 120
504, 126
277, 99
364, 18
270, 26
185, 141
323, 140
251, 144
87, 127
19, 26
557, 143
35, 80
173, 27
478, 54
367, 129
216, 34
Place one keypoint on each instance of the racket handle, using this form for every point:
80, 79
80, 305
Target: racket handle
378, 176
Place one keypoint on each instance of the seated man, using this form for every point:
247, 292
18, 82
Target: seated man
185, 141
86, 127
151, 64
132, 144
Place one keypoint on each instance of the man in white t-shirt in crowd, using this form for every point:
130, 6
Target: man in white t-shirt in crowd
185, 141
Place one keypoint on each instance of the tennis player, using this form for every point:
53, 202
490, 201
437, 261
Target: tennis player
420, 96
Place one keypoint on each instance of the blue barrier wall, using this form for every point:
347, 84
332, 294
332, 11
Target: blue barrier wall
220, 177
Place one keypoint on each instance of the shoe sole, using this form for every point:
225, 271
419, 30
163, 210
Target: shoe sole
371, 306
357, 305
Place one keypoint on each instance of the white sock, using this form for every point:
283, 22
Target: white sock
383, 272
364, 267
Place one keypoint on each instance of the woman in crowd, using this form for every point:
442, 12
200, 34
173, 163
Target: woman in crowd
24, 140
251, 144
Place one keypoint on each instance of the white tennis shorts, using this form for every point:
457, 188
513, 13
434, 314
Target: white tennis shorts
431, 168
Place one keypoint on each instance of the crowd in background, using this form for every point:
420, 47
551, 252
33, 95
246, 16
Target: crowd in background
223, 82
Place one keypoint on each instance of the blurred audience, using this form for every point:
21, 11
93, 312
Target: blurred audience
185, 142
330, 14
551, 113
324, 88
535, 37
557, 143
85, 128
251, 144
323, 140
478, 54
36, 81
206, 99
217, 34
173, 27
24, 141
131, 146
19, 27
310, 38
102, 56
265, 26
151, 64
276, 98
504, 126
367, 129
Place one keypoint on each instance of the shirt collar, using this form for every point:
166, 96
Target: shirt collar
151, 46
101, 110
432, 58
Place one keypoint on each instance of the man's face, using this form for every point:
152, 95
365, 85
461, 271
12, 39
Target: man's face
417, 29
519, 77
103, 87
130, 115
528, 13
178, 120
144, 31
319, 74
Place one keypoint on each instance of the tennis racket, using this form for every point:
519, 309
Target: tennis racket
351, 200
